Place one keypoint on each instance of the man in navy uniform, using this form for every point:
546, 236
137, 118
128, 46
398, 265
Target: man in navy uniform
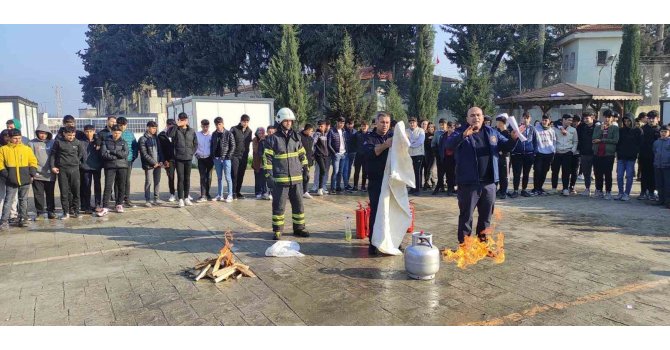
476, 147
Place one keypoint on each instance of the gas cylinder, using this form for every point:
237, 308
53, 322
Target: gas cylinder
361, 222
411, 209
422, 259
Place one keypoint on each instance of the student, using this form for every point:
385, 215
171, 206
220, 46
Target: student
91, 169
576, 165
360, 158
260, 183
503, 180
240, 157
308, 144
133, 151
68, 121
185, 143
18, 165
352, 147
417, 138
626, 153
151, 163
546, 141
566, 147
605, 139
523, 157
271, 129
167, 154
221, 149
44, 180
439, 158
114, 151
106, 132
65, 158
429, 157
661, 149
321, 156
205, 161
338, 150
650, 133
449, 161
585, 149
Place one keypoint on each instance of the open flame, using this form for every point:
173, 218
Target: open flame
473, 250
225, 257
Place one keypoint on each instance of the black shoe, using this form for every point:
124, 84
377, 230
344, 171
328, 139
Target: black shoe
354, 189
239, 196
372, 250
363, 189
75, 214
51, 215
277, 236
502, 195
129, 204
301, 233
514, 194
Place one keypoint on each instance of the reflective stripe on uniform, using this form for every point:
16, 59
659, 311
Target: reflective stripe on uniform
286, 179
265, 164
287, 155
277, 220
304, 154
299, 219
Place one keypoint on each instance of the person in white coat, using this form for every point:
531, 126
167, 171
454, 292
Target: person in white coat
417, 136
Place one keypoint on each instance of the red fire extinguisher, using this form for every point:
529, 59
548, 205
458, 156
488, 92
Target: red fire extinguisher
411, 209
361, 222
367, 220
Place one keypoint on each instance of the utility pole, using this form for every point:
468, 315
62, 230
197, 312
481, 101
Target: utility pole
59, 102
656, 70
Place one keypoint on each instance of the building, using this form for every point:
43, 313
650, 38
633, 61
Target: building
590, 55
21, 109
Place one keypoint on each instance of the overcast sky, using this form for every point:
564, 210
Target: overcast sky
37, 58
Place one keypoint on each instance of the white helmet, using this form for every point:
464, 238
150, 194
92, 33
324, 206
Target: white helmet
284, 114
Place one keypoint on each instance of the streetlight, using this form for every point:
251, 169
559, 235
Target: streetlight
611, 67
609, 59
101, 108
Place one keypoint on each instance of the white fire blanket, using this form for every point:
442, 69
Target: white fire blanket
393, 213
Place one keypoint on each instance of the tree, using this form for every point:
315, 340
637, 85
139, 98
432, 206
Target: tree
628, 77
284, 80
347, 95
423, 88
476, 88
394, 103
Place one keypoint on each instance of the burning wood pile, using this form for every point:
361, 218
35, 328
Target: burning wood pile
473, 250
224, 266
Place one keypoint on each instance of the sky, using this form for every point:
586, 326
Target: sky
37, 58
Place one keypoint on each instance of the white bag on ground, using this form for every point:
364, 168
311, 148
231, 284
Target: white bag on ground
284, 249
393, 213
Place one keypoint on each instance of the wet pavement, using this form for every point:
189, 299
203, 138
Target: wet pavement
570, 261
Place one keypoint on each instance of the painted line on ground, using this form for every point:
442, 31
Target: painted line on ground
602, 295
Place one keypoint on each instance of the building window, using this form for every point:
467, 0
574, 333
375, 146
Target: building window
565, 62
572, 61
601, 59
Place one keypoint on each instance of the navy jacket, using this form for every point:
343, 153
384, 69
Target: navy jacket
334, 141
526, 147
467, 171
375, 164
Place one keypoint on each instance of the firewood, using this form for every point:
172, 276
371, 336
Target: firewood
223, 271
204, 263
225, 275
203, 272
245, 270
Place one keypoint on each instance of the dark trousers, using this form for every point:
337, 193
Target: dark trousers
648, 183
482, 197
260, 184
88, 178
429, 160
542, 164
114, 179
586, 166
575, 170
205, 166
374, 191
10, 193
279, 196
359, 169
126, 193
183, 178
68, 183
170, 174
502, 174
450, 172
416, 163
239, 167
321, 162
43, 194
305, 178
562, 162
603, 166
521, 165
439, 164
662, 177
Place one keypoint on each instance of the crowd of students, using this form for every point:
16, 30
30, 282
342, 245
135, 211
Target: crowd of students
573, 147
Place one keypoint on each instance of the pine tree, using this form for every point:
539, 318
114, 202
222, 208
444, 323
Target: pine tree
394, 103
628, 76
347, 96
284, 80
475, 90
423, 88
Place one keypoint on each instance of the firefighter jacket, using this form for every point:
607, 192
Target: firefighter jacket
284, 157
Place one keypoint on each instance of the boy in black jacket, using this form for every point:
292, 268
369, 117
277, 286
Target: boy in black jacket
91, 169
151, 163
167, 153
66, 156
114, 153
308, 144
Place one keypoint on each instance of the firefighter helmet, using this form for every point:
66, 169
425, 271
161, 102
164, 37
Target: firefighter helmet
284, 114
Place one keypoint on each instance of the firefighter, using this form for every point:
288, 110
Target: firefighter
284, 159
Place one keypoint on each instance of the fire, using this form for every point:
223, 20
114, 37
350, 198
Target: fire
225, 257
473, 250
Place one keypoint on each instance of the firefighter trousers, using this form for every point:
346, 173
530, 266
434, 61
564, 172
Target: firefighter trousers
294, 194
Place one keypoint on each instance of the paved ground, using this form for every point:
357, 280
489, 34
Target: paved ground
570, 261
